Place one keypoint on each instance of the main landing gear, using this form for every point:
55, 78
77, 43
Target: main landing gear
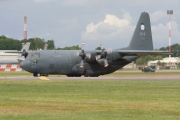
73, 75
80, 76
87, 75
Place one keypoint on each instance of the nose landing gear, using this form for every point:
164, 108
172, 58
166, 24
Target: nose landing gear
38, 75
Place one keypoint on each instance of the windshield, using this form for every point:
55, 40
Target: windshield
33, 56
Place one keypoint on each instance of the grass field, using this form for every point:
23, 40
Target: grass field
19, 73
90, 100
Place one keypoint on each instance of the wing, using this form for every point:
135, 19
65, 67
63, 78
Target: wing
143, 52
118, 54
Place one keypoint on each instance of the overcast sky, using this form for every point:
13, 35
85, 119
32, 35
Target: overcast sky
70, 22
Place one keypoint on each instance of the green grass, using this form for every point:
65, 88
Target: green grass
19, 73
139, 73
90, 100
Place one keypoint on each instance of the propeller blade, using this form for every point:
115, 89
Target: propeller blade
110, 50
82, 45
98, 57
105, 63
76, 54
101, 46
88, 55
81, 64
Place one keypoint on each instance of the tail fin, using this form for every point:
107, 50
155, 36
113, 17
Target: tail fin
45, 46
142, 37
24, 49
26, 46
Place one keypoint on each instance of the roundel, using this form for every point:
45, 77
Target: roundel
142, 27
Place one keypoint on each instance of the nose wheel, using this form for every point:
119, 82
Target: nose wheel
36, 74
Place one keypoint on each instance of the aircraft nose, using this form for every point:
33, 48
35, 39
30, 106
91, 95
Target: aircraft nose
24, 65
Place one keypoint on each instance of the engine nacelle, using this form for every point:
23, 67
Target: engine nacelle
80, 70
92, 57
85, 70
101, 61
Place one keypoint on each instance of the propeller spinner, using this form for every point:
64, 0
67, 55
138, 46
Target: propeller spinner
83, 55
24, 53
103, 54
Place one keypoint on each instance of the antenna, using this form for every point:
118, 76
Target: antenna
170, 12
25, 27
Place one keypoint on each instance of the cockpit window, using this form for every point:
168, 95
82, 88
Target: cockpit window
37, 55
34, 55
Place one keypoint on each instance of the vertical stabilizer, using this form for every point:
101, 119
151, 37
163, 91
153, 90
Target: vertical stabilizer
142, 37
26, 46
24, 51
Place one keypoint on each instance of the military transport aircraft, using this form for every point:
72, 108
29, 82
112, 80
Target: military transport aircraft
93, 63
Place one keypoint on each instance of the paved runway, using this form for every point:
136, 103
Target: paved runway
177, 77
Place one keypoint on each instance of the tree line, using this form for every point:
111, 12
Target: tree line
14, 44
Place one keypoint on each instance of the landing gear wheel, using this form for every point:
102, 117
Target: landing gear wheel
47, 75
44, 75
73, 75
69, 75
95, 76
86, 74
36, 74
77, 76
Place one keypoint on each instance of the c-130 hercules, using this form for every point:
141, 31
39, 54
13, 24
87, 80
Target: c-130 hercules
93, 63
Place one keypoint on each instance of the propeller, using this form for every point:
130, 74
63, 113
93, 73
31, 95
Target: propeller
82, 55
103, 54
24, 53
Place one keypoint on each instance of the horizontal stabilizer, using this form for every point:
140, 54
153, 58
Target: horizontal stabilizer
144, 52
